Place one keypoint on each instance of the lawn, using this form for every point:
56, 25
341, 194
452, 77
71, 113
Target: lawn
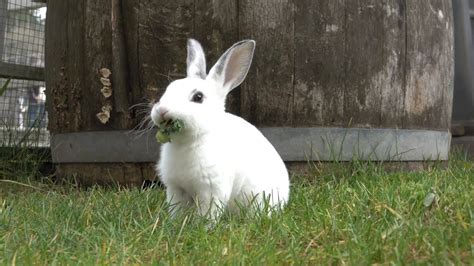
353, 214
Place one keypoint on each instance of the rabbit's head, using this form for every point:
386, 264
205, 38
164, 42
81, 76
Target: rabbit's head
196, 99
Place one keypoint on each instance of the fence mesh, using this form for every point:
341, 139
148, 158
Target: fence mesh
23, 118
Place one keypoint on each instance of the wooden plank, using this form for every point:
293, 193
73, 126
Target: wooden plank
364, 55
267, 93
21, 72
448, 59
216, 27
392, 79
121, 96
164, 27
130, 15
75, 68
55, 61
319, 63
64, 65
429, 64
98, 46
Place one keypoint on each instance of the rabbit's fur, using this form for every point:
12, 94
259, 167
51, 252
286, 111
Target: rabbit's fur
217, 160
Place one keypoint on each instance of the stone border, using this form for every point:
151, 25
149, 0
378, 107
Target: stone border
293, 144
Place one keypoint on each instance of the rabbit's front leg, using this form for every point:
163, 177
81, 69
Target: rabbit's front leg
211, 205
177, 199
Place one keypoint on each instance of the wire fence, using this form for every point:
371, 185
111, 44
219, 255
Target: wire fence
23, 117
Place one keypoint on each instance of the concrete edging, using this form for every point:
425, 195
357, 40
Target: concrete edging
293, 144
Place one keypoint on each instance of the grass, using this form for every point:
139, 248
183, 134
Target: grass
20, 155
358, 214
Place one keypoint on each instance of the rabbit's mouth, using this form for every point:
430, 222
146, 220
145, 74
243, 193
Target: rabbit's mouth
165, 123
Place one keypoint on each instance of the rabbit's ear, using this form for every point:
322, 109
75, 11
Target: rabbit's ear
231, 69
196, 60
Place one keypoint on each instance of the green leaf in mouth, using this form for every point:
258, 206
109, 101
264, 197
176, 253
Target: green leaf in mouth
167, 128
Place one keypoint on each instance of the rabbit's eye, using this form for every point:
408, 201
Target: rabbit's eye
198, 97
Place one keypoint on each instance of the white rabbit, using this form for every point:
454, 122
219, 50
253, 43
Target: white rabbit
217, 159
